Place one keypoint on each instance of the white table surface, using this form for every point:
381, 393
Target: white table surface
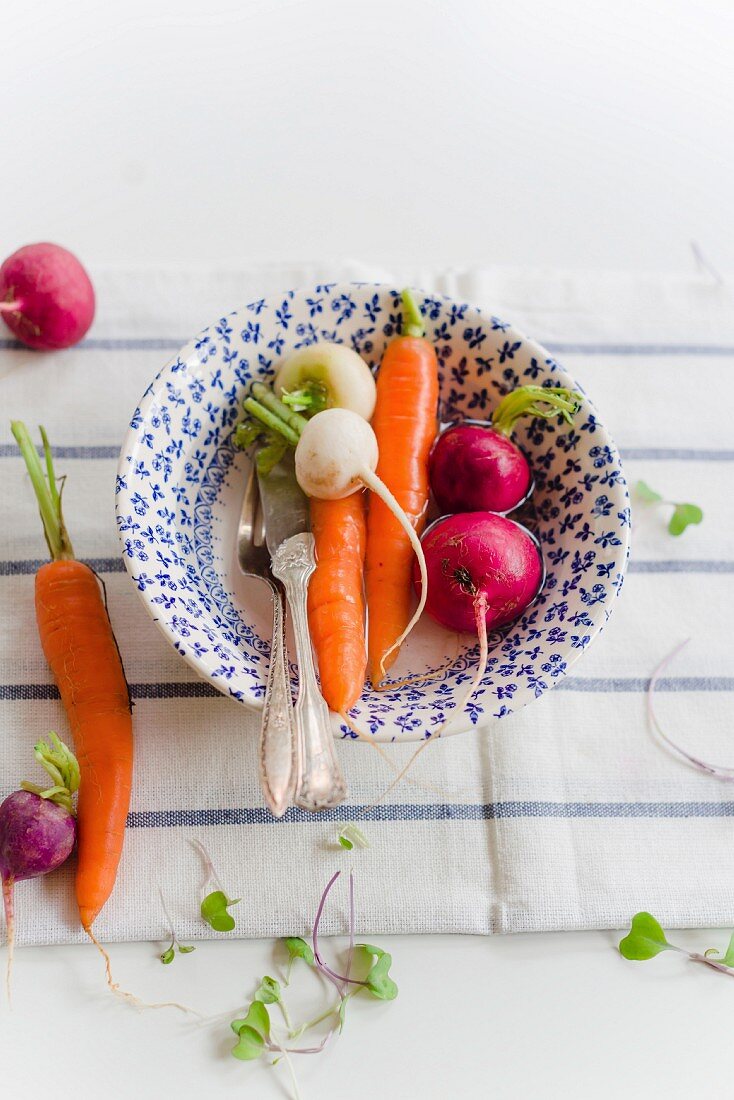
577, 135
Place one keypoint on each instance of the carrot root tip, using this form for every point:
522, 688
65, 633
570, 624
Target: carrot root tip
130, 998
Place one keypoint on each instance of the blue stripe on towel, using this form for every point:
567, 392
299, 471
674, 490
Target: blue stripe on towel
201, 689
641, 454
28, 566
25, 566
694, 566
173, 343
461, 811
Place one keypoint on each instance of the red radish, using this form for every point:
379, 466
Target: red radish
475, 466
46, 297
483, 571
37, 828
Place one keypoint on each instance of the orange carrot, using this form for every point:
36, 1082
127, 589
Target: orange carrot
80, 647
335, 599
405, 426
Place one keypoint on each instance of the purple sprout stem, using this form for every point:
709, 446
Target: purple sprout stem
721, 967
720, 771
209, 871
352, 923
339, 980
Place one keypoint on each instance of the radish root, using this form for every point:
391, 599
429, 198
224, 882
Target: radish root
720, 771
480, 615
10, 930
381, 490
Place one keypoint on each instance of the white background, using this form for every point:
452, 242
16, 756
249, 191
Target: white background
522, 133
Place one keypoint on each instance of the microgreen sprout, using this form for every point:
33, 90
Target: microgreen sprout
183, 949
215, 905
683, 514
254, 1031
351, 836
297, 949
646, 939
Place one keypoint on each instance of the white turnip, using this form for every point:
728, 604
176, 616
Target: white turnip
325, 376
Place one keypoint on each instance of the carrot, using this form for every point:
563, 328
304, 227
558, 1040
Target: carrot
335, 599
79, 645
405, 426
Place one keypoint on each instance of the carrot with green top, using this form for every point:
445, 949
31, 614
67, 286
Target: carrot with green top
77, 640
405, 426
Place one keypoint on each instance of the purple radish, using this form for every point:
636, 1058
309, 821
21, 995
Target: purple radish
37, 828
46, 297
483, 571
475, 467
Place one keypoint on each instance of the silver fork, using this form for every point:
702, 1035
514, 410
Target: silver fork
277, 746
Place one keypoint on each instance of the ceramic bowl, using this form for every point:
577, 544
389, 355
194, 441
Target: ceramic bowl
180, 485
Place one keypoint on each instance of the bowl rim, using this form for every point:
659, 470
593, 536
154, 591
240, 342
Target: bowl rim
131, 445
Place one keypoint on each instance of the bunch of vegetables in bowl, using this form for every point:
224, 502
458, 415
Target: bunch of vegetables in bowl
303, 363
474, 567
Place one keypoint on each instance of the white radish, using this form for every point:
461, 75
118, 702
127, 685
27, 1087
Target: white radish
336, 455
324, 376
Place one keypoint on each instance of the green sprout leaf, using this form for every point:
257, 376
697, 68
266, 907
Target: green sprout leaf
167, 956
268, 992
298, 949
683, 516
644, 940
249, 1046
644, 492
183, 949
214, 911
352, 837
378, 980
252, 1032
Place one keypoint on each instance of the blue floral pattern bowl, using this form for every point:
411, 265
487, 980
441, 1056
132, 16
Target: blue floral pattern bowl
180, 483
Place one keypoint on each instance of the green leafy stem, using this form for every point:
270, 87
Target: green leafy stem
62, 766
543, 401
646, 939
269, 422
45, 486
683, 514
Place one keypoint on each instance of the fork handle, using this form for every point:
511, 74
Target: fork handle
320, 784
277, 733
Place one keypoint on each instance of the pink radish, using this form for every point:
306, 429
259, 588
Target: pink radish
46, 297
483, 571
475, 466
